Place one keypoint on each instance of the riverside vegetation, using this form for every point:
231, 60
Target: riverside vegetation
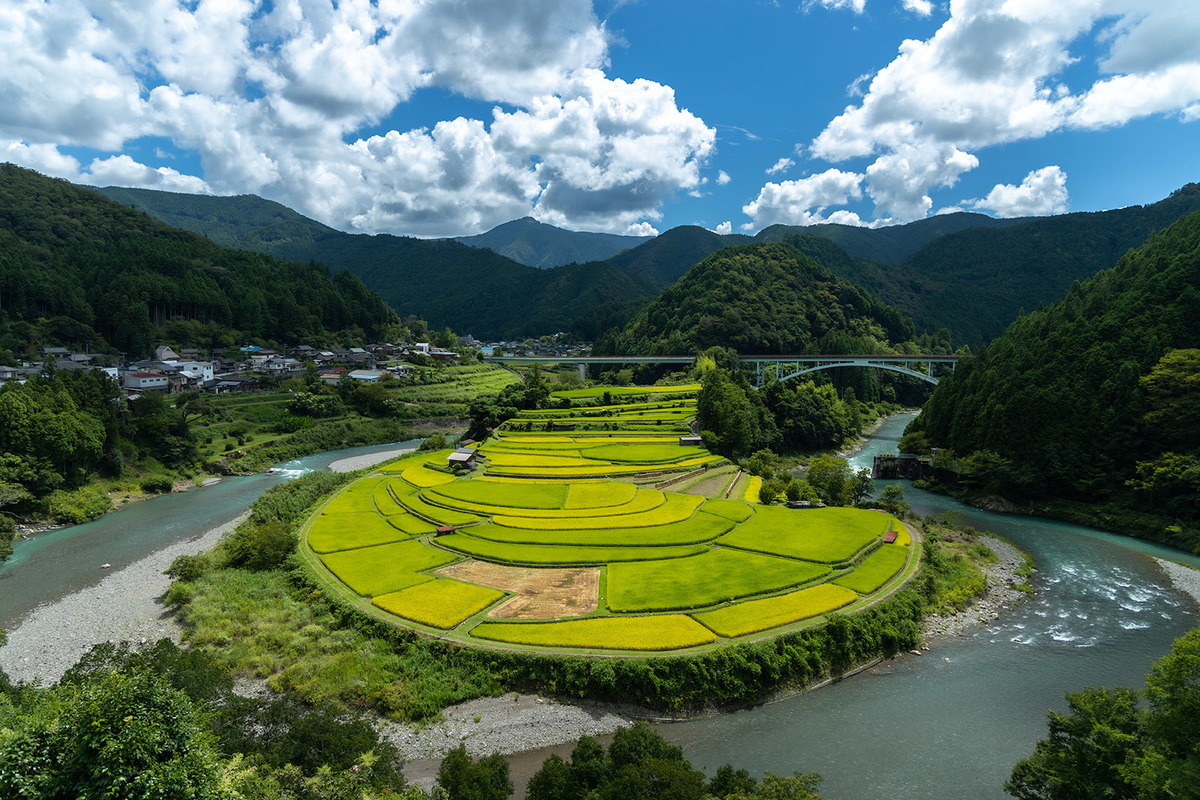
69, 451
1088, 410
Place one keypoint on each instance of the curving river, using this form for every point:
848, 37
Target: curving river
948, 724
51, 565
953, 722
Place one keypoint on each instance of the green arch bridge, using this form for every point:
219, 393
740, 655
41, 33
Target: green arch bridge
781, 368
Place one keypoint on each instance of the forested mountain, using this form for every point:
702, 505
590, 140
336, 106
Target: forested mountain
476, 291
891, 244
449, 284
245, 221
1094, 398
966, 272
759, 299
536, 244
68, 252
976, 282
665, 258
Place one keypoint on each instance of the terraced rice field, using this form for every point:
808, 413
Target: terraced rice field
625, 391
624, 567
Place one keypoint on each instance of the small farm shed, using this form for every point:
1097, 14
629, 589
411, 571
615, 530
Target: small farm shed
463, 455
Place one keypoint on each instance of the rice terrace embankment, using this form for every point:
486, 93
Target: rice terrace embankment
559, 541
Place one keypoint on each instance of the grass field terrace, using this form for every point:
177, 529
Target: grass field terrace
677, 572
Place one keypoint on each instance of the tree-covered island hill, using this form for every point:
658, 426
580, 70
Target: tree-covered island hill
581, 544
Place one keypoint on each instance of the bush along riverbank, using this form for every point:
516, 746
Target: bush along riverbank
251, 604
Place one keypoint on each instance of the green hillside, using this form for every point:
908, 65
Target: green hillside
1095, 397
759, 299
665, 258
66, 252
976, 282
449, 284
891, 244
536, 244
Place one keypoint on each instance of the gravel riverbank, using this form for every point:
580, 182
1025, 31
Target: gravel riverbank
508, 724
1185, 579
125, 606
1001, 578
369, 460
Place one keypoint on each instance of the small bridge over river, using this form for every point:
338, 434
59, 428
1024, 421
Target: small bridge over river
766, 368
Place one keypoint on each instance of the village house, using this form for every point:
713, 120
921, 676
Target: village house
157, 381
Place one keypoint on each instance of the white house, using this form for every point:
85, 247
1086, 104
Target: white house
146, 381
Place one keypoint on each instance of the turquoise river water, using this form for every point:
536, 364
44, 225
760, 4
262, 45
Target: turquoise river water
952, 722
948, 724
50, 565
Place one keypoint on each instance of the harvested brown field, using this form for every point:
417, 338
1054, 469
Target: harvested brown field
713, 486
537, 593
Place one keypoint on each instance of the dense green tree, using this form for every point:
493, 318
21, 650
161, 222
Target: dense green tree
725, 412
641, 765
1172, 393
463, 779
833, 479
552, 781
1108, 746
1086, 750
1084, 399
119, 735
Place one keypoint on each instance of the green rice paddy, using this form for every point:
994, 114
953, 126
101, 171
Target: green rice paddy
715, 576
666, 632
507, 553
876, 569
753, 616
439, 603
676, 570
825, 535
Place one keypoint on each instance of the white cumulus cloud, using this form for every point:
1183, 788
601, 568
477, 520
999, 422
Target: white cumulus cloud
723, 177
1044, 191
922, 8
306, 102
782, 165
724, 228
803, 201
857, 6
996, 72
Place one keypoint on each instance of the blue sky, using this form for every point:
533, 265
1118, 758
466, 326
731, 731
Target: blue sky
629, 116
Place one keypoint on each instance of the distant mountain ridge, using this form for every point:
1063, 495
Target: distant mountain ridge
891, 244
69, 254
536, 244
965, 272
449, 284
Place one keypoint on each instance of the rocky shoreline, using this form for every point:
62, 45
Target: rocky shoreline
1001, 595
511, 723
1185, 579
125, 606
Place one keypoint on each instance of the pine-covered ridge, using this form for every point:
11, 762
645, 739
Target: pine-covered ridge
1094, 398
759, 299
66, 251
